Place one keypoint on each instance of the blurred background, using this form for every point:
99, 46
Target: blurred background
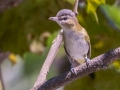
26, 35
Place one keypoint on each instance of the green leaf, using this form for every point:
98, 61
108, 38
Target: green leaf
92, 7
112, 14
51, 38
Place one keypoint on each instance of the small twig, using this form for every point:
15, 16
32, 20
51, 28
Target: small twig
97, 63
49, 59
76, 7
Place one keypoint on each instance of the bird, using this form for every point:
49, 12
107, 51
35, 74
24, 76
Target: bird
76, 39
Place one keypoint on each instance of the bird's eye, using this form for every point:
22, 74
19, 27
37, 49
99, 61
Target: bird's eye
62, 18
65, 18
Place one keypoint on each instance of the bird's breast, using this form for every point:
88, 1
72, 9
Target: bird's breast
75, 44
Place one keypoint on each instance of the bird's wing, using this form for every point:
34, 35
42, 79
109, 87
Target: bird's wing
69, 57
89, 50
87, 39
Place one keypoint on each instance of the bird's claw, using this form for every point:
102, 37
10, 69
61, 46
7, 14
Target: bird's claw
87, 60
73, 70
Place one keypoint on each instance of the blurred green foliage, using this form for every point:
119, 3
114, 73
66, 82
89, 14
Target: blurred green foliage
29, 18
34, 62
26, 22
112, 13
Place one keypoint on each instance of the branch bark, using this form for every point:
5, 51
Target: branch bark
49, 59
97, 63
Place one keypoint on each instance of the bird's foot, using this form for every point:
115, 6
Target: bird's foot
87, 60
73, 70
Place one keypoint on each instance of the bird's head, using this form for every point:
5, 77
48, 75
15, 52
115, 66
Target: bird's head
65, 18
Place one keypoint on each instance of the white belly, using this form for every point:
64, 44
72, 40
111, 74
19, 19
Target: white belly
75, 45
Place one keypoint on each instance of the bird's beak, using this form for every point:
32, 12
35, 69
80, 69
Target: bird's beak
53, 18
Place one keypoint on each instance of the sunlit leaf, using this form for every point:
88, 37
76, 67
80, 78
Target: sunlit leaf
12, 58
116, 64
92, 7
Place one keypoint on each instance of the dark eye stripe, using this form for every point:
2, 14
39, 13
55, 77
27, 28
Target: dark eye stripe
63, 17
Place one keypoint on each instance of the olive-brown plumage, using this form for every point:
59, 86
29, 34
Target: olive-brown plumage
76, 40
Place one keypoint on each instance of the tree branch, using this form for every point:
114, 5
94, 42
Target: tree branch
49, 59
97, 63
